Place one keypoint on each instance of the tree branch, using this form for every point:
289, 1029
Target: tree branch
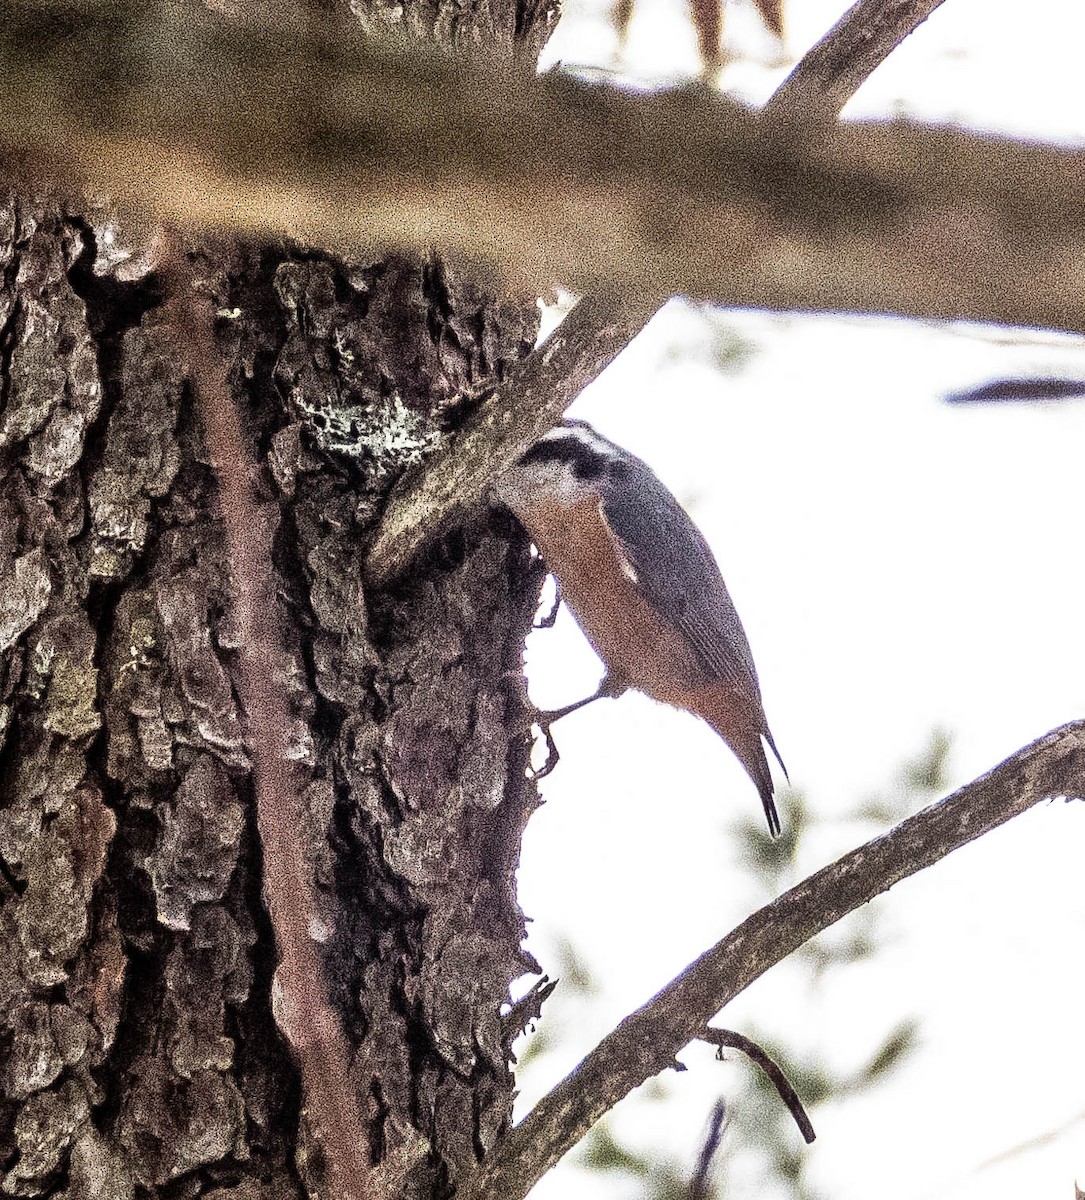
529, 402
535, 395
834, 69
647, 1040
336, 141
721, 1038
698, 1186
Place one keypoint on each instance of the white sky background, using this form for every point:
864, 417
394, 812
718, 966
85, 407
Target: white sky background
899, 564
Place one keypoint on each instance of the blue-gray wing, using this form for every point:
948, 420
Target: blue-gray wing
677, 574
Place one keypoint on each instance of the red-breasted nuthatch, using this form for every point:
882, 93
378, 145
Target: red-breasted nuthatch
643, 585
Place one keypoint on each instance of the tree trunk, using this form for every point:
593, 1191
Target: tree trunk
138, 1049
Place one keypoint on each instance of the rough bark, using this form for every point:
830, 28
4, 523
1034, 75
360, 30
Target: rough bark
138, 1049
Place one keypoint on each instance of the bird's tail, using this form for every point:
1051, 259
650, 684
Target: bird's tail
753, 758
745, 739
768, 738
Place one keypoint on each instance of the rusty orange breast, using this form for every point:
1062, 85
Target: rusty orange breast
640, 648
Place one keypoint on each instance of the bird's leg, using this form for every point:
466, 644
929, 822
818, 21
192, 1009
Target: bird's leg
608, 687
551, 760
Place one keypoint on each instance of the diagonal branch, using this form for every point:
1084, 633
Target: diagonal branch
699, 1185
533, 397
528, 403
646, 1042
833, 70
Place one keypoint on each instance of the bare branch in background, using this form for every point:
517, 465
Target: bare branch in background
707, 18
1028, 389
302, 1007
699, 1186
772, 13
646, 1042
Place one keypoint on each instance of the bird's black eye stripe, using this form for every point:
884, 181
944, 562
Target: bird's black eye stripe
619, 469
591, 466
585, 462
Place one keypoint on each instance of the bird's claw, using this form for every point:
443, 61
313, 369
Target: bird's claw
552, 755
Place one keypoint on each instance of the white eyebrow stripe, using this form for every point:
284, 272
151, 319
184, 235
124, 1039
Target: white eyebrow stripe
583, 434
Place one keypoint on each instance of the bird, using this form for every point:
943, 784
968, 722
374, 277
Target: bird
642, 583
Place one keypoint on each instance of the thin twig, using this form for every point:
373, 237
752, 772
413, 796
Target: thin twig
540, 388
721, 1038
646, 1042
302, 1006
698, 1185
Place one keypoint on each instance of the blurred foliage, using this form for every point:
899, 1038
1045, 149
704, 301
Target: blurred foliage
603, 1153
896, 1047
760, 1141
927, 771
710, 340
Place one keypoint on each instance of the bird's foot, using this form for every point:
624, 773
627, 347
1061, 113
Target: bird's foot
541, 719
